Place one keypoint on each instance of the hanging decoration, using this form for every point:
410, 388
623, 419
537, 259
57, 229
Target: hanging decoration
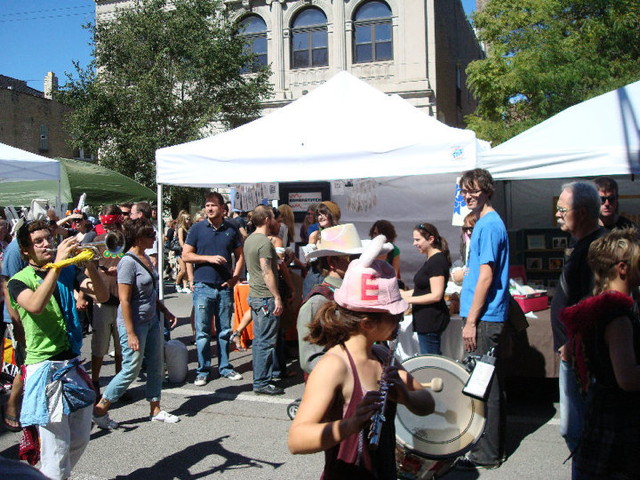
361, 195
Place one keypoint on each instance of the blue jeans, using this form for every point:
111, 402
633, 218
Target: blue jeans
572, 406
429, 343
265, 332
279, 356
207, 302
490, 449
151, 350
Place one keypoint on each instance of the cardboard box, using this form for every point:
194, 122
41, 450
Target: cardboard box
533, 302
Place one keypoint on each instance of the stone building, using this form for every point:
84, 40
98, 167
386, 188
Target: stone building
418, 49
32, 120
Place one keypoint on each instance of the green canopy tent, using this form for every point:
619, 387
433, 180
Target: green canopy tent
101, 185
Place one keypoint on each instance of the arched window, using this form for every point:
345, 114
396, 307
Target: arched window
254, 30
309, 42
372, 38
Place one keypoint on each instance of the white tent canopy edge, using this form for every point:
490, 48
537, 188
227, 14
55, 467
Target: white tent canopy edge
600, 136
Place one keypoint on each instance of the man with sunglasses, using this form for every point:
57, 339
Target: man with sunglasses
484, 305
577, 213
609, 217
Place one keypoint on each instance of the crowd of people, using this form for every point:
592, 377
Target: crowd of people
348, 300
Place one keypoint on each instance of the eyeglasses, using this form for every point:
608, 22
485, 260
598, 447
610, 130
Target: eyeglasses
473, 193
562, 210
610, 198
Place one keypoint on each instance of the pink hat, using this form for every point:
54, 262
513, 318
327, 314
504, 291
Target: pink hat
371, 285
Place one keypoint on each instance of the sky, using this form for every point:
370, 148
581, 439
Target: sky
40, 36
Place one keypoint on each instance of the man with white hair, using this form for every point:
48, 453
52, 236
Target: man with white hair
577, 213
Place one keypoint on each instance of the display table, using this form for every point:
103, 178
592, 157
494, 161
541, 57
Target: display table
532, 352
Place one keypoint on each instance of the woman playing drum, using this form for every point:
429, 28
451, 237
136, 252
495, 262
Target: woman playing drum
342, 391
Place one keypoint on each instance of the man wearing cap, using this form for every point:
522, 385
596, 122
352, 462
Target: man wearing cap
484, 305
337, 247
264, 299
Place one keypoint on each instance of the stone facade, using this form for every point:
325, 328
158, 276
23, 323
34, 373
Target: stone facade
32, 122
432, 43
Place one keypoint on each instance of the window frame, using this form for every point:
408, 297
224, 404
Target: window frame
371, 24
308, 31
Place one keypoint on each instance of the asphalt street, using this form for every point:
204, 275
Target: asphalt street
226, 430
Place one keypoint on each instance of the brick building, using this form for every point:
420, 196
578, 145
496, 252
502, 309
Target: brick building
32, 120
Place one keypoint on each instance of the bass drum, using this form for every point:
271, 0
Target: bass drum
426, 447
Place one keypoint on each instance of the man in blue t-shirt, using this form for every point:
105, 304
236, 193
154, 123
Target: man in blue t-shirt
209, 247
484, 305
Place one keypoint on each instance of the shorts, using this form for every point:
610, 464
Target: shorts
104, 327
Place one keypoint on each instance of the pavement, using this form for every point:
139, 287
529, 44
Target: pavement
226, 429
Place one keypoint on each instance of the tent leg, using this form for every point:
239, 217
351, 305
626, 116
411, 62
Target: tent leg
160, 243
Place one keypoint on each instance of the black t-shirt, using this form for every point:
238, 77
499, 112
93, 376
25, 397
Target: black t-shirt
576, 282
16, 287
434, 317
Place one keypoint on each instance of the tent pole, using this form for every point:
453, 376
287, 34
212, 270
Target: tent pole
160, 243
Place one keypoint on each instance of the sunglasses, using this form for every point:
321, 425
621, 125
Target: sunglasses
467, 229
610, 198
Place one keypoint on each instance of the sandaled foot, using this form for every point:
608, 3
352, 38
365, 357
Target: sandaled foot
11, 423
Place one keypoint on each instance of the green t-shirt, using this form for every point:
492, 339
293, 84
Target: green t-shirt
45, 333
258, 246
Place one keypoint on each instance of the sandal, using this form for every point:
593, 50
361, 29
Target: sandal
235, 338
6, 418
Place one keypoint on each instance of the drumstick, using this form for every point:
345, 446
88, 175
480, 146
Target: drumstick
435, 384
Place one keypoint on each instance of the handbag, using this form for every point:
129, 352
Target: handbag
175, 245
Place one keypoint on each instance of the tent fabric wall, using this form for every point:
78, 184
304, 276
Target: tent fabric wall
600, 136
407, 202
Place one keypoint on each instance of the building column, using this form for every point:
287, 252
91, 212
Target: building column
278, 46
339, 41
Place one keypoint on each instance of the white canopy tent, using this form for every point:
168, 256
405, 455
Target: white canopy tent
600, 136
344, 129
17, 165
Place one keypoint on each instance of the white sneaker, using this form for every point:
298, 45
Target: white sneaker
201, 381
233, 375
104, 422
165, 417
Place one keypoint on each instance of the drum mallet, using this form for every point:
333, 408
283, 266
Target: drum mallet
435, 384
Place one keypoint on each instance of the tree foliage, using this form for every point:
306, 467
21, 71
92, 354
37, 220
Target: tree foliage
166, 71
547, 55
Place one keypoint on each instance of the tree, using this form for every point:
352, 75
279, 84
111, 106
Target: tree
547, 55
167, 71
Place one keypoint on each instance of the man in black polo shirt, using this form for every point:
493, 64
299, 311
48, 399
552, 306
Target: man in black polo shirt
209, 246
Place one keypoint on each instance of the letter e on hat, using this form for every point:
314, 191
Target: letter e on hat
369, 287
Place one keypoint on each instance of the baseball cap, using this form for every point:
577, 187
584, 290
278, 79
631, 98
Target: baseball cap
370, 285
